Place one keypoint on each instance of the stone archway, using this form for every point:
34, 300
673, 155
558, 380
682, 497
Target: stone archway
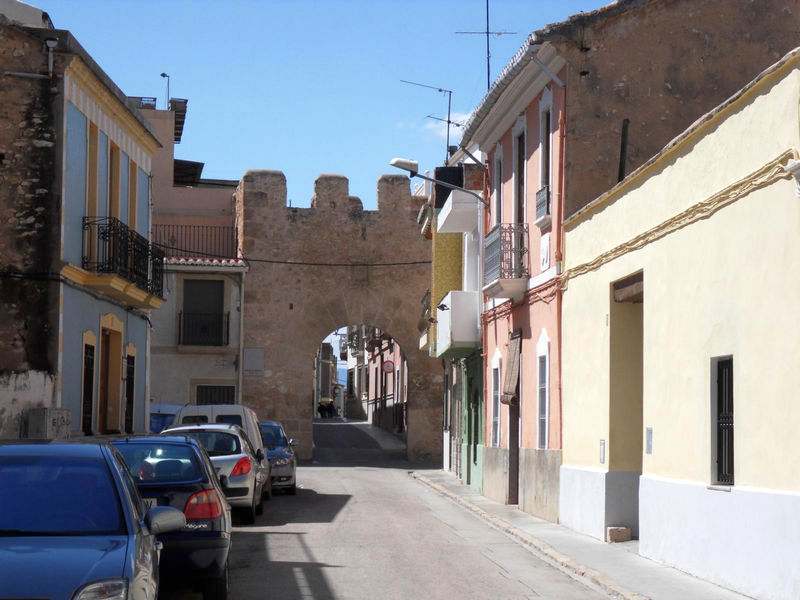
313, 270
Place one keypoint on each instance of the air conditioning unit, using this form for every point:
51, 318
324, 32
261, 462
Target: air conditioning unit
49, 423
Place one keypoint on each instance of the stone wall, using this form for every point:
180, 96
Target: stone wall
660, 65
29, 216
309, 276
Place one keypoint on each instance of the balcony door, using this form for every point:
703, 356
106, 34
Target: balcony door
203, 319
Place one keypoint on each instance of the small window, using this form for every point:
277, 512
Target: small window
496, 406
722, 420
542, 416
216, 394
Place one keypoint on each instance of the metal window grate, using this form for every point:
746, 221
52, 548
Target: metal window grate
725, 421
216, 394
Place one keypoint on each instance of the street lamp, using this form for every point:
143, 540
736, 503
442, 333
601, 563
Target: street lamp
412, 166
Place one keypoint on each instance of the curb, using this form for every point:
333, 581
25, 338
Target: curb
606, 584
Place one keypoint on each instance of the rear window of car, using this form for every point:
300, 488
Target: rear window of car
58, 495
273, 435
218, 443
155, 462
232, 419
189, 419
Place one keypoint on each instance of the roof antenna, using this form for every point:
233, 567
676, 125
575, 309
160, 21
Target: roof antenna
448, 121
487, 33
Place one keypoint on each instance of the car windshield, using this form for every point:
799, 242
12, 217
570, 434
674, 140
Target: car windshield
218, 443
154, 462
273, 435
58, 495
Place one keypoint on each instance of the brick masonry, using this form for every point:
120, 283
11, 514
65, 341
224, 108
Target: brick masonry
290, 308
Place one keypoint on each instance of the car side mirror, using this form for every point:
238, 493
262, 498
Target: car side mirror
260, 454
293, 442
163, 519
223, 481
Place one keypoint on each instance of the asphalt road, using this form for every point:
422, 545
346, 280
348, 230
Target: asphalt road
361, 528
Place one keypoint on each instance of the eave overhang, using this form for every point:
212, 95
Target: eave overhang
517, 86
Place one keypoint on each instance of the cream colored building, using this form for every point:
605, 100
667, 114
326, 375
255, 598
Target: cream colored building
680, 348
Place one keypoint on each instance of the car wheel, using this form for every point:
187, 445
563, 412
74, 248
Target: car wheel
217, 589
292, 490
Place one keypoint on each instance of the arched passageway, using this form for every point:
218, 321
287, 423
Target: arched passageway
315, 269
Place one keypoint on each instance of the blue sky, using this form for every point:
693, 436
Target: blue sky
307, 86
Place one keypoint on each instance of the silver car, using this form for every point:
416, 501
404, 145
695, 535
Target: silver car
245, 472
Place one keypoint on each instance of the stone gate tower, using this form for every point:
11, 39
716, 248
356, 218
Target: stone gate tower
314, 270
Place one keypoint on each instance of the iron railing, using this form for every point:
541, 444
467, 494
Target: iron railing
110, 246
506, 255
196, 241
203, 329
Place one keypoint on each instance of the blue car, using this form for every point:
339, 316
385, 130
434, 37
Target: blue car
73, 526
280, 452
175, 470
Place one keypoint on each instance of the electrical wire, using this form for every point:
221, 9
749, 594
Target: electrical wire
248, 259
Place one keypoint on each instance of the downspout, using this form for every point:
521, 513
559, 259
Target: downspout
562, 128
240, 361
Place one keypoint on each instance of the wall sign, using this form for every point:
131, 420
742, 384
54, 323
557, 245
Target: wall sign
388, 366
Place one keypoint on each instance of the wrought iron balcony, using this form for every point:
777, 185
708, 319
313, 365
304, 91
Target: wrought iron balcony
200, 241
506, 269
111, 248
203, 329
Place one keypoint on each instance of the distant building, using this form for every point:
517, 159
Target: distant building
197, 335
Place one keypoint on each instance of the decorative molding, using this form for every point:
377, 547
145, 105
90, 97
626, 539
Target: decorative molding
113, 286
768, 174
83, 76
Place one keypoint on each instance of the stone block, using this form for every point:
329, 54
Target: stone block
615, 535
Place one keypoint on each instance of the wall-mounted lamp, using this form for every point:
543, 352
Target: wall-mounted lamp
432, 320
443, 306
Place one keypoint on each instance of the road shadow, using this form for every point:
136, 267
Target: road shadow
257, 570
307, 506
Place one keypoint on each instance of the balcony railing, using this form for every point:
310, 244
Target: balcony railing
196, 241
203, 329
112, 247
507, 252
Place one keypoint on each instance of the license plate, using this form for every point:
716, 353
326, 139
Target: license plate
150, 502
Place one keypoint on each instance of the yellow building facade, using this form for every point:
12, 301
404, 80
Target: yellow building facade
679, 348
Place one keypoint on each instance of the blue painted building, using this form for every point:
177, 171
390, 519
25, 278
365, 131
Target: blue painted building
80, 275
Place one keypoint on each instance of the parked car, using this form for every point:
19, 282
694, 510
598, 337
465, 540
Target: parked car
73, 525
176, 471
243, 416
280, 452
162, 415
247, 470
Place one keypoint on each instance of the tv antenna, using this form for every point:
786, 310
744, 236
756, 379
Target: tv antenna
487, 33
448, 121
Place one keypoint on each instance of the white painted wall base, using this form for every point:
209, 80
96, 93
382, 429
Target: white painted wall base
746, 539
582, 499
590, 500
446, 450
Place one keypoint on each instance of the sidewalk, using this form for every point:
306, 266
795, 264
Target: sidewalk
616, 569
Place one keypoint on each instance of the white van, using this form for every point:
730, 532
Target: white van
244, 417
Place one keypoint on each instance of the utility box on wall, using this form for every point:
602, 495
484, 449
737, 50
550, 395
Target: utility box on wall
49, 423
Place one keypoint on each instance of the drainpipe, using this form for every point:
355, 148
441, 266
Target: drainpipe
241, 339
562, 128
